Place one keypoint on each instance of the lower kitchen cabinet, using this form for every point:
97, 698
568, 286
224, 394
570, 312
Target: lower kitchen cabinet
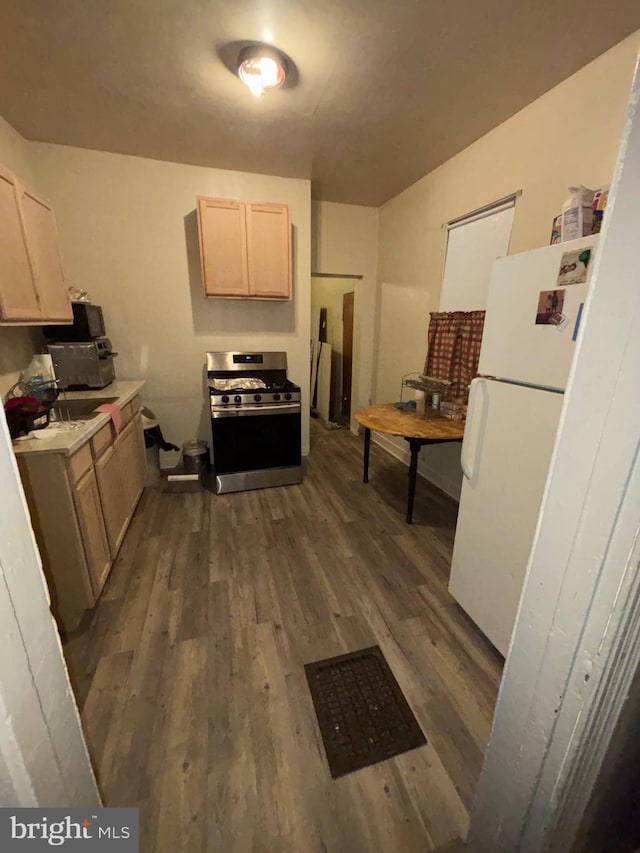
48, 482
94, 534
115, 500
130, 446
81, 506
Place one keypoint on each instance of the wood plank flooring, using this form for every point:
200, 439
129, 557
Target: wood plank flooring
190, 672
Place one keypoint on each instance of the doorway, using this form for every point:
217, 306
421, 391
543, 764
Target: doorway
347, 356
333, 349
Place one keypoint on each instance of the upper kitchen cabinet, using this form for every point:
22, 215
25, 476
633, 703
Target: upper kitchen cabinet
32, 286
42, 244
269, 250
18, 298
223, 247
245, 249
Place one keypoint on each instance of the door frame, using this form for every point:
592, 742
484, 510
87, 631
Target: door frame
358, 342
576, 643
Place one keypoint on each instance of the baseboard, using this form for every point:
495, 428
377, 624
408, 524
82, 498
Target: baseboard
425, 471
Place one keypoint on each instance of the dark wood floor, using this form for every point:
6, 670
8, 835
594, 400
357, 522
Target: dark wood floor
190, 672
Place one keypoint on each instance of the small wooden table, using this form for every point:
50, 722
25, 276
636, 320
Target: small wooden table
416, 429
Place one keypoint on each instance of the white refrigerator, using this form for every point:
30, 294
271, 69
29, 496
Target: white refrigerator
512, 419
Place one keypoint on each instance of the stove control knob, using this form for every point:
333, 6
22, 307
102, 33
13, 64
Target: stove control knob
237, 399
257, 397
276, 396
287, 396
224, 398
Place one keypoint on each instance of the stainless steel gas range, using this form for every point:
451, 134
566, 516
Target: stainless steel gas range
255, 421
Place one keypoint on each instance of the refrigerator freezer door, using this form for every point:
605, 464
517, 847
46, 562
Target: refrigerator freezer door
514, 347
508, 441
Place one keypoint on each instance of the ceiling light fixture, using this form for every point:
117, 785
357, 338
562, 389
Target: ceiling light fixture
261, 67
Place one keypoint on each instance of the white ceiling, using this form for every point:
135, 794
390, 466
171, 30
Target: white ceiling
387, 89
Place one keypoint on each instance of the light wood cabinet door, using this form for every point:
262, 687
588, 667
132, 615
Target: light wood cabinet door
133, 465
223, 247
18, 298
269, 251
42, 243
113, 497
94, 534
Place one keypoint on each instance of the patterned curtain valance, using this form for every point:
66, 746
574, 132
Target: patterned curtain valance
454, 348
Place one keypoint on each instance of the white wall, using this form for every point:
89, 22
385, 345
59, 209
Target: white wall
569, 135
129, 236
43, 757
14, 151
17, 345
345, 241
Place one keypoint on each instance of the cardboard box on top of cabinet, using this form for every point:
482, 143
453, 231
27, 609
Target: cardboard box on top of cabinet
577, 213
581, 215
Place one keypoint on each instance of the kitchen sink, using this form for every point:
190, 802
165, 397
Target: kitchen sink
79, 410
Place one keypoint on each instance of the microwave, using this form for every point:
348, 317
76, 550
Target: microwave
88, 324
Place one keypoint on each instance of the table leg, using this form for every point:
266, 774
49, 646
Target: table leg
413, 470
367, 447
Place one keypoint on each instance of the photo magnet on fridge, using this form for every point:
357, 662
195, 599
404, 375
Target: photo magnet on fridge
574, 267
550, 305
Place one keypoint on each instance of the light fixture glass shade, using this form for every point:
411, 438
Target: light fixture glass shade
261, 69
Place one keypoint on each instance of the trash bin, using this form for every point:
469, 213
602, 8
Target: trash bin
195, 457
154, 442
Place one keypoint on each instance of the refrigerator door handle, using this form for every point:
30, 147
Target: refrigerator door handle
474, 427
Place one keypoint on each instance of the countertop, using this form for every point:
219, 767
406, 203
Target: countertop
67, 442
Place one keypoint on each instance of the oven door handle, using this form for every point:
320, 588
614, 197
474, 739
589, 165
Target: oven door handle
248, 411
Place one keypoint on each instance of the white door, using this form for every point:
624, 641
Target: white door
514, 345
509, 437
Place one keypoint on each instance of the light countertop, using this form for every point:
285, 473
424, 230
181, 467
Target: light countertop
68, 441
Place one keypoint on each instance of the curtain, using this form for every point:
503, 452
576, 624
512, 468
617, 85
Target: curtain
454, 348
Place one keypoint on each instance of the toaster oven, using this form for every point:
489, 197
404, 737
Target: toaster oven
83, 364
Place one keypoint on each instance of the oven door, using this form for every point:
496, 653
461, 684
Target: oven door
255, 438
